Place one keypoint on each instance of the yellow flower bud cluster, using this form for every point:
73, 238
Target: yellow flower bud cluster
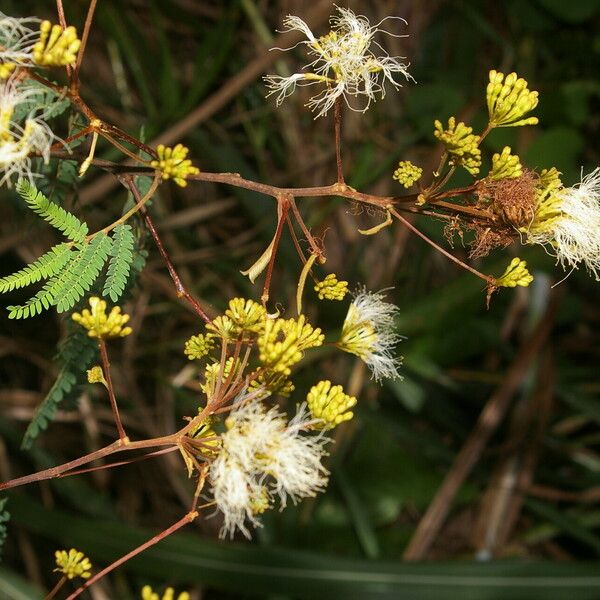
331, 289
169, 594
407, 174
283, 341
101, 325
515, 274
6, 70
223, 327
547, 202
198, 346
508, 100
505, 165
330, 404
96, 375
56, 47
274, 383
461, 143
247, 315
73, 563
173, 164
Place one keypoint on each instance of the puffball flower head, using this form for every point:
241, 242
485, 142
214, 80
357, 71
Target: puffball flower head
344, 62
567, 221
263, 456
368, 332
20, 138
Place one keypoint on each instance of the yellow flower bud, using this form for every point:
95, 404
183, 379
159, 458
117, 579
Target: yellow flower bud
331, 289
96, 375
6, 70
505, 165
283, 342
198, 346
515, 274
461, 144
173, 164
73, 564
247, 315
330, 404
407, 174
101, 325
56, 47
508, 100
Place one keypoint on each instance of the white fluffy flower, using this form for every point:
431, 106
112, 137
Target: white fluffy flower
567, 222
21, 139
263, 456
368, 332
344, 62
17, 40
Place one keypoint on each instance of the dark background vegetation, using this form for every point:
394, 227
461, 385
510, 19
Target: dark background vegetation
151, 64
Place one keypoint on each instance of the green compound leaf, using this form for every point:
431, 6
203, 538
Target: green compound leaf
66, 288
120, 262
45, 266
81, 274
58, 217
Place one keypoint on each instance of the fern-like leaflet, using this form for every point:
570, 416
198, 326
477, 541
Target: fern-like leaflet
56, 215
120, 262
45, 266
70, 269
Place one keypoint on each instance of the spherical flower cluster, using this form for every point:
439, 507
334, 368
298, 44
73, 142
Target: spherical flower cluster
101, 325
516, 274
264, 457
283, 341
329, 404
331, 288
21, 138
567, 220
509, 100
198, 346
407, 174
56, 46
505, 165
22, 46
173, 164
344, 62
461, 144
73, 563
368, 333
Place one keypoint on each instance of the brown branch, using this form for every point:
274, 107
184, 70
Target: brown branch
84, 38
182, 292
188, 518
489, 280
110, 388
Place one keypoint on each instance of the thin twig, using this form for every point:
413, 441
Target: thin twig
188, 518
110, 388
182, 292
84, 38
